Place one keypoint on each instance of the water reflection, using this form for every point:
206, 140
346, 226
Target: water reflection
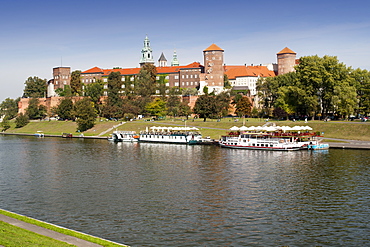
146, 194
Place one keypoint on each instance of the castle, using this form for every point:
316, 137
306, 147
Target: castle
194, 75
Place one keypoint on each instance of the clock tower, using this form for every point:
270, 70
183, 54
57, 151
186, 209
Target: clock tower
146, 53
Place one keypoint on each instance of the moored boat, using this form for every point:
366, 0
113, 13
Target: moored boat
123, 136
176, 135
274, 138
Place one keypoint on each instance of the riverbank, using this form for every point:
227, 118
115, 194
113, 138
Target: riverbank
60, 234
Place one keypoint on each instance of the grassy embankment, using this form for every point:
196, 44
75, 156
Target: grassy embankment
212, 128
15, 236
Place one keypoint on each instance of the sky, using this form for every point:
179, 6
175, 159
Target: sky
37, 36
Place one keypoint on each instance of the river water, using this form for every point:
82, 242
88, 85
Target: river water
144, 194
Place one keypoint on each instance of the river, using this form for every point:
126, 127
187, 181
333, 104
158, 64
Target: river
144, 194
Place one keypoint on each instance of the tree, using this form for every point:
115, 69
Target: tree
5, 124
113, 107
324, 81
65, 92
65, 109
146, 81
362, 84
227, 83
157, 107
21, 121
35, 87
95, 91
85, 114
206, 107
243, 107
35, 110
76, 85
9, 108
184, 110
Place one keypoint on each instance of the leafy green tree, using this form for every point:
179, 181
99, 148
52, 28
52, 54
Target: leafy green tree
243, 106
85, 113
173, 101
76, 85
362, 84
65, 92
146, 81
223, 103
184, 110
9, 108
206, 107
162, 85
65, 109
35, 87
157, 107
227, 83
5, 124
35, 110
113, 106
189, 91
21, 121
324, 81
95, 91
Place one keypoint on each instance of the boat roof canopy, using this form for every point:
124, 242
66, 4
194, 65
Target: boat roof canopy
163, 129
271, 128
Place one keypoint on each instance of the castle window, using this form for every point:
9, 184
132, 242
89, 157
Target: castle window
123, 79
176, 77
176, 84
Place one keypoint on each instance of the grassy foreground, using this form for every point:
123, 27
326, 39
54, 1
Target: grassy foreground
15, 236
213, 128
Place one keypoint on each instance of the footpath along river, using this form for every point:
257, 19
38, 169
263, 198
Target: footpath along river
143, 194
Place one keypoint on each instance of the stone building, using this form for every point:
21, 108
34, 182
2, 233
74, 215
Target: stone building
286, 60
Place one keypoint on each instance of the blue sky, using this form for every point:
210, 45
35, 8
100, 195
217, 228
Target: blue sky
39, 35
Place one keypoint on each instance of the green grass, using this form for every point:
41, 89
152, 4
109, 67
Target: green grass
15, 236
57, 229
212, 128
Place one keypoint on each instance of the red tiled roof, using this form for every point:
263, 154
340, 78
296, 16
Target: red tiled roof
214, 47
94, 70
233, 72
135, 71
286, 50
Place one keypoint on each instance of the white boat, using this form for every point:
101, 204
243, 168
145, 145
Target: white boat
272, 138
177, 135
39, 133
124, 136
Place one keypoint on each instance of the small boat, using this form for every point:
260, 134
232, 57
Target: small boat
124, 136
175, 135
39, 133
67, 135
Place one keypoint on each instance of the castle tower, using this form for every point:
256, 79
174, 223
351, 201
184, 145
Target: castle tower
162, 61
286, 61
146, 53
174, 61
213, 68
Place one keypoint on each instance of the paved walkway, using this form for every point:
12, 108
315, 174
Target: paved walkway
348, 144
47, 232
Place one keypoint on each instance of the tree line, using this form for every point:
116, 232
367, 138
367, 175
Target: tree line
319, 87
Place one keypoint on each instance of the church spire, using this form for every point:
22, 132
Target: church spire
174, 61
146, 52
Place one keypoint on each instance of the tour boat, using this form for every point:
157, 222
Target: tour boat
124, 136
176, 135
274, 138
